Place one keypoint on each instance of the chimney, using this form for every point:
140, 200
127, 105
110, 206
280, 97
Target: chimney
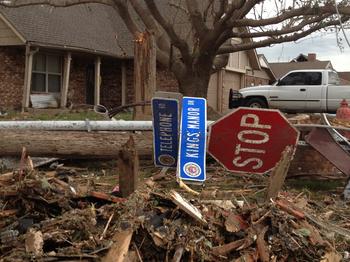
311, 57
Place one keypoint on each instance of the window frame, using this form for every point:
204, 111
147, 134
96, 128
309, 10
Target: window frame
47, 73
304, 78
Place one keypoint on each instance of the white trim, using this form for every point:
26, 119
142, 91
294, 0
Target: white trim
97, 91
232, 69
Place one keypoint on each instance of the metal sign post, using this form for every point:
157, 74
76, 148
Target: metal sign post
165, 112
193, 133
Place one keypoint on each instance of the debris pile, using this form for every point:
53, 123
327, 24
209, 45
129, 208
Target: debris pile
56, 217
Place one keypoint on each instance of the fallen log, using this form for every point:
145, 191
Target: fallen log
71, 144
106, 145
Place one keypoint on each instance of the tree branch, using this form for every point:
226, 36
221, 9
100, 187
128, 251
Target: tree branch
242, 12
124, 13
55, 3
169, 29
145, 16
196, 18
281, 39
220, 12
303, 11
283, 31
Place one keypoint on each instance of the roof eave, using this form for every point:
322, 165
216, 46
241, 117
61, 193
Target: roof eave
79, 49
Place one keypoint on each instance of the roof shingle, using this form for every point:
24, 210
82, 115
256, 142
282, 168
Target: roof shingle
91, 27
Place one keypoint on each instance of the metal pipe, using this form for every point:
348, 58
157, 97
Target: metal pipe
87, 125
120, 125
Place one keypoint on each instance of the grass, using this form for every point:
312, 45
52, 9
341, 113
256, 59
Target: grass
315, 185
64, 115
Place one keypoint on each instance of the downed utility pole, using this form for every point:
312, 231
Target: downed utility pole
144, 73
71, 144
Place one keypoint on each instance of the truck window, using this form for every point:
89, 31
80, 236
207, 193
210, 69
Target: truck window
301, 78
313, 78
296, 78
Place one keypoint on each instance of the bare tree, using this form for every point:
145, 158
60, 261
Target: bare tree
194, 36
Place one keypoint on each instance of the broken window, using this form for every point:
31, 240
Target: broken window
47, 73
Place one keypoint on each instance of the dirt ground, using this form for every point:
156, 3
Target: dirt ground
67, 212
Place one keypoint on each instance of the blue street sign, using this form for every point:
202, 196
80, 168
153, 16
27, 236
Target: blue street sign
165, 131
193, 135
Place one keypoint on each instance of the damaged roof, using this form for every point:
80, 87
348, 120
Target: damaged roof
90, 27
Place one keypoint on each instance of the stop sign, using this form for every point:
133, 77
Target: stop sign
251, 140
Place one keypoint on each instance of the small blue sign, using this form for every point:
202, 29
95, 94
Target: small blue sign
193, 135
165, 131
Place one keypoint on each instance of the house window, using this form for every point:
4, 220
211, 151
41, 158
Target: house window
47, 73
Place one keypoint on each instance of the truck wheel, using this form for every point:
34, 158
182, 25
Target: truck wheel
256, 102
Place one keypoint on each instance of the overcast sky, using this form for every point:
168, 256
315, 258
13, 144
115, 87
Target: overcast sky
325, 47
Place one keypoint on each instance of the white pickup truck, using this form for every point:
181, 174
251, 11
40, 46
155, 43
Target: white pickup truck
297, 91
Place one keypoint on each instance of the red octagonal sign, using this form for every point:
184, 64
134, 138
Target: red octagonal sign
251, 140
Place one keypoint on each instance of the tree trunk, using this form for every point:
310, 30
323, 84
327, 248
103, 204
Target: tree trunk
71, 144
195, 80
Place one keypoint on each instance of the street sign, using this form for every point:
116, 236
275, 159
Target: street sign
193, 133
251, 140
165, 113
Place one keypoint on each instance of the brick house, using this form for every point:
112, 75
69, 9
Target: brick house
83, 54
76, 55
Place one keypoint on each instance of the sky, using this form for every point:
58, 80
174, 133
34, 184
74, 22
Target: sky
324, 45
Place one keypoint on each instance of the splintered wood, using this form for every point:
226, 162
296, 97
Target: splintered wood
187, 207
279, 173
120, 247
128, 166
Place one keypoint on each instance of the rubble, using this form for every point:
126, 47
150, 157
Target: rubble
48, 216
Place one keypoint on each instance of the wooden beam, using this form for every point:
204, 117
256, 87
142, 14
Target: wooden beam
27, 76
124, 84
66, 74
97, 80
128, 166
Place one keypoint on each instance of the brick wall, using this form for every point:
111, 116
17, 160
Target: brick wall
12, 63
166, 80
77, 80
111, 84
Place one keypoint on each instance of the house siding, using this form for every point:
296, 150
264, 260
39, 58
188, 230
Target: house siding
12, 63
255, 81
7, 36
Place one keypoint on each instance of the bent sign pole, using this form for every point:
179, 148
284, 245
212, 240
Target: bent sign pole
193, 134
251, 140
